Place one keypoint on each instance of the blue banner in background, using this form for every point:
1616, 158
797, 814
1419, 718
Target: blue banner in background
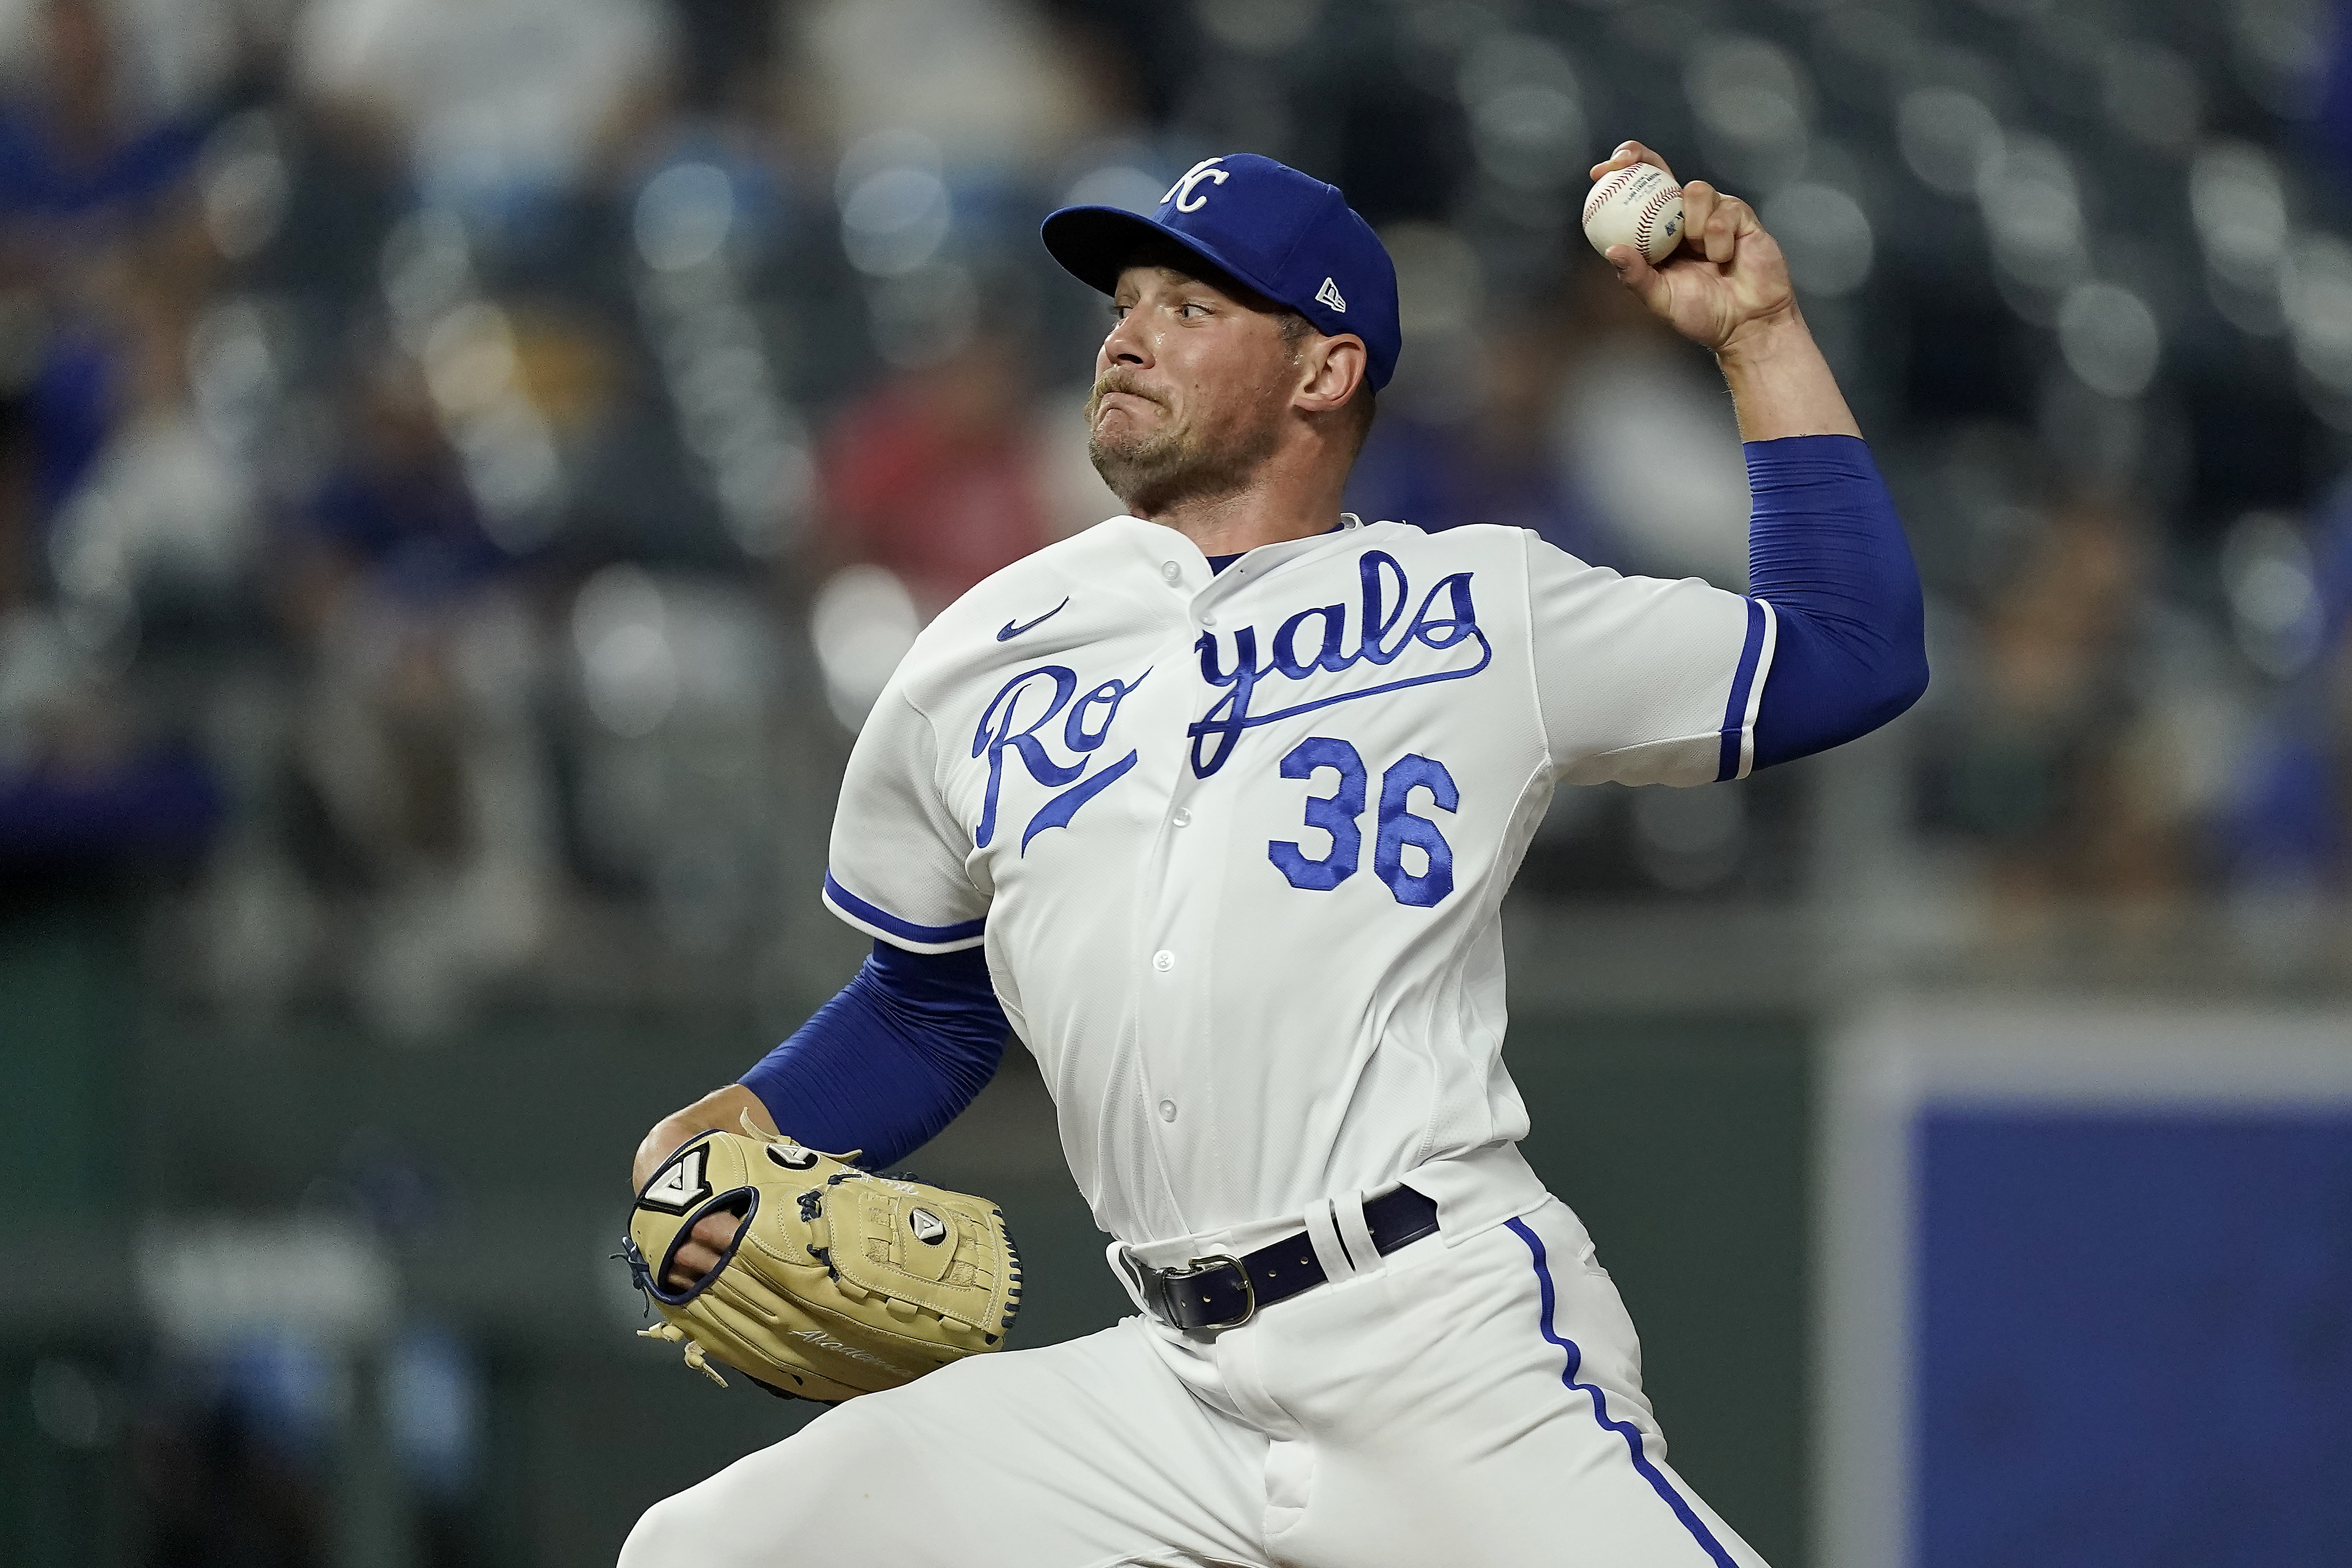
2133, 1338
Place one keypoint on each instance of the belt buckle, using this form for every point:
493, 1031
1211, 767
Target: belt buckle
1197, 1267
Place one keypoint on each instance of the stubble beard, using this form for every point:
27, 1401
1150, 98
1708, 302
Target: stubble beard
1153, 471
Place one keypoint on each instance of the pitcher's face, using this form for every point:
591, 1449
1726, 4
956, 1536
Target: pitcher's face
1191, 387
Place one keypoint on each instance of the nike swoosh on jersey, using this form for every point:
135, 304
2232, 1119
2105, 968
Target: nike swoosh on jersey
1014, 629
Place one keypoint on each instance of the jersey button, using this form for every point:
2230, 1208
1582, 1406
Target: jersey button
1182, 816
1163, 960
1167, 1110
1208, 621
1172, 571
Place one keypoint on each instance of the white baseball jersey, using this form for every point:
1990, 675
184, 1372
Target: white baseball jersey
1236, 843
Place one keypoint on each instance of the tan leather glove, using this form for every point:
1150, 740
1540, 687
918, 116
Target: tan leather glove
840, 1283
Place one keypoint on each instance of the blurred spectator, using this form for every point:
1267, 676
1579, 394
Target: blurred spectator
161, 517
167, 400
1497, 461
496, 107
80, 146
1574, 415
2288, 833
416, 737
107, 492
394, 517
87, 163
1649, 436
991, 82
936, 474
82, 793
2058, 756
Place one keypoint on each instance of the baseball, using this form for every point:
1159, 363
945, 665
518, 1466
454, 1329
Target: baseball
1640, 205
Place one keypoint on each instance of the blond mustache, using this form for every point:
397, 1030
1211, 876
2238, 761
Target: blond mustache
1112, 382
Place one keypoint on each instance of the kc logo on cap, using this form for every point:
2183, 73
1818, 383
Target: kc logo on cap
1181, 193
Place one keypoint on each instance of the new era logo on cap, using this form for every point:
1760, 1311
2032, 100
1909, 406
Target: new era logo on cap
1285, 234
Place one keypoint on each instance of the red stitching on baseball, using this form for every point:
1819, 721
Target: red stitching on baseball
1649, 218
1610, 187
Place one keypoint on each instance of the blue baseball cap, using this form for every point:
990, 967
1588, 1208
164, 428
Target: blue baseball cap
1287, 236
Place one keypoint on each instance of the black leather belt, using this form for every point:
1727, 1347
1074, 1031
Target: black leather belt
1223, 1293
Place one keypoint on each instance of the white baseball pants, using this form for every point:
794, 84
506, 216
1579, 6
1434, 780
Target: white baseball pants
1451, 1408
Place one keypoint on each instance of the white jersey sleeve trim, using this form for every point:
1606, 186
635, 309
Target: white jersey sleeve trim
1679, 760
1739, 710
876, 921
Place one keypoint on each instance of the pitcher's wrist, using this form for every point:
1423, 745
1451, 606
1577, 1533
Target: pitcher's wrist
1765, 338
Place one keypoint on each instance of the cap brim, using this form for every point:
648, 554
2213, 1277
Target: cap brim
1093, 245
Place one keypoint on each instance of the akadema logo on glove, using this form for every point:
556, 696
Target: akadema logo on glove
1027, 704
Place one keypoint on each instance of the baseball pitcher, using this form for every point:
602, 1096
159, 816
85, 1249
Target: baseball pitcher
1213, 806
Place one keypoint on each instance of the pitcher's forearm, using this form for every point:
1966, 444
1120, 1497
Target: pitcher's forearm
1781, 384
721, 1108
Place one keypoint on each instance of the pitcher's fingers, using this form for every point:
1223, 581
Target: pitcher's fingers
1627, 154
690, 1266
717, 1232
1699, 199
1713, 222
1721, 236
1732, 218
1634, 271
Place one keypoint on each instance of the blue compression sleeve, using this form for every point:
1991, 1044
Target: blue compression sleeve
891, 1059
1826, 551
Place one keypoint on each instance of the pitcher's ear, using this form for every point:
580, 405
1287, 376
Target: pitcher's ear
1334, 367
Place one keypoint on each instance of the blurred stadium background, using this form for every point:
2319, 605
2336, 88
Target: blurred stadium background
466, 466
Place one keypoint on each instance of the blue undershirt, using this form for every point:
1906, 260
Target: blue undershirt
909, 1042
1826, 551
905, 1047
